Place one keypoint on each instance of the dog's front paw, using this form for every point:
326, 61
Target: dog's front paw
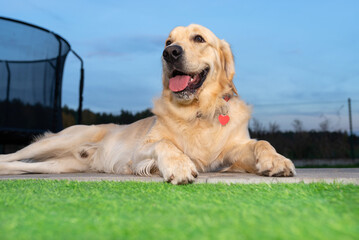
275, 165
178, 170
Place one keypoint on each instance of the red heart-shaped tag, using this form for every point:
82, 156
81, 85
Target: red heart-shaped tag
223, 119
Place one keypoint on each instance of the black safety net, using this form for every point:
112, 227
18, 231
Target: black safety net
31, 67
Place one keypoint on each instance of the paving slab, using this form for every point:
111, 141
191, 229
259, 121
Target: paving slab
305, 175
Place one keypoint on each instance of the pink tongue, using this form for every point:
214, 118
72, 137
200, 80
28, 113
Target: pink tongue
179, 83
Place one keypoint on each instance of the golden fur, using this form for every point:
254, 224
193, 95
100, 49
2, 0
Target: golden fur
183, 138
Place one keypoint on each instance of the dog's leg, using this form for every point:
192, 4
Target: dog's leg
62, 165
261, 158
173, 164
43, 148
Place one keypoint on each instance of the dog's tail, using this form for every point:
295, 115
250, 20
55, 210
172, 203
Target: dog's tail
67, 142
11, 158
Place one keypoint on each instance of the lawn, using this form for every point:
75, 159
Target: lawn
49, 209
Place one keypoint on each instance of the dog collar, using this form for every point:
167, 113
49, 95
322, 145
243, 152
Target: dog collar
224, 119
226, 97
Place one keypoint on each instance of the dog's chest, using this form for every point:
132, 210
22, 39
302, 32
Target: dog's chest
203, 143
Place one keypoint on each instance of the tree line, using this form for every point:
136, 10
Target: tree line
296, 144
69, 117
301, 144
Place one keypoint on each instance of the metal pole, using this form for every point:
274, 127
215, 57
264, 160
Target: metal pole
8, 82
81, 89
351, 140
7, 102
57, 100
79, 111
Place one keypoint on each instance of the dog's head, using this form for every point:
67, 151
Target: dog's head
196, 63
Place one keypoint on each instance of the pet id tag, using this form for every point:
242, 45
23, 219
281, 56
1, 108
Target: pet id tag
223, 119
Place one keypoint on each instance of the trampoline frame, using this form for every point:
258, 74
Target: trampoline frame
58, 81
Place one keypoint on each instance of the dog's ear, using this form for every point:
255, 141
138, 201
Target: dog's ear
228, 63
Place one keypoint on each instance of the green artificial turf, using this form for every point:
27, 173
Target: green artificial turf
48, 209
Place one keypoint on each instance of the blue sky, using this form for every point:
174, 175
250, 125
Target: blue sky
288, 53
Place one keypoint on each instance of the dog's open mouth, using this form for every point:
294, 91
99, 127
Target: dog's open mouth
184, 82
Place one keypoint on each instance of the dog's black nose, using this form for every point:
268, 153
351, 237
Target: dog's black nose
172, 53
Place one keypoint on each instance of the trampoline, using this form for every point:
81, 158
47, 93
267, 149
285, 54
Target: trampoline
32, 61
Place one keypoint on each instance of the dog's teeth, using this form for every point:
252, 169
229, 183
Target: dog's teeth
191, 80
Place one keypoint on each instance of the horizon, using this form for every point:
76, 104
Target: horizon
265, 128
294, 60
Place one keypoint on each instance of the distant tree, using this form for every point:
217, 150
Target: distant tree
88, 117
257, 126
273, 127
297, 125
144, 114
126, 117
324, 125
68, 117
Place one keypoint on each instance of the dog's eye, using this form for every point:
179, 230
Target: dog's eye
168, 42
199, 39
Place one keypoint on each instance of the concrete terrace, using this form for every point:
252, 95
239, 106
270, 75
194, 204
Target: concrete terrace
305, 175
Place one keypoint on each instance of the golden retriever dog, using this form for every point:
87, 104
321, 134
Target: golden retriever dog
200, 125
